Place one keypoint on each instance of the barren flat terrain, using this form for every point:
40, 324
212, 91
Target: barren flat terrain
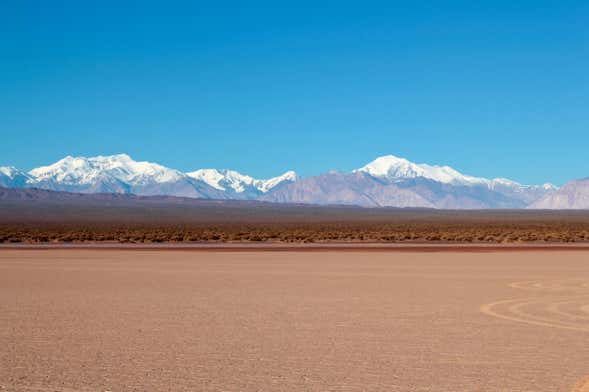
35, 216
154, 320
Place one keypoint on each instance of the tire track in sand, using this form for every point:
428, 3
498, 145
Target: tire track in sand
582, 386
555, 304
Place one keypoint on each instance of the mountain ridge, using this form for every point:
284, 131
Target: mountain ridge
572, 196
387, 181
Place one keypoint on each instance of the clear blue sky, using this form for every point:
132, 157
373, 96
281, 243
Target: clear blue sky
493, 88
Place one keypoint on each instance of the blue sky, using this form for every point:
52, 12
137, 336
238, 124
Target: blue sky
492, 88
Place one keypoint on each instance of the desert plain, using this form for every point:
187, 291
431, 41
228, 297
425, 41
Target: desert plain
251, 320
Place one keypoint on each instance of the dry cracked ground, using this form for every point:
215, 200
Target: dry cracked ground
123, 320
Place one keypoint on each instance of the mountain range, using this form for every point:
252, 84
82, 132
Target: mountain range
574, 195
121, 174
387, 181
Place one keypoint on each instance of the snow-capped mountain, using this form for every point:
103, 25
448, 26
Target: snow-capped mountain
81, 170
112, 174
271, 183
11, 177
397, 182
386, 181
121, 174
399, 170
357, 188
572, 196
233, 181
393, 168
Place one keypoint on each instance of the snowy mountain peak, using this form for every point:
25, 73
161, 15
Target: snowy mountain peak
82, 170
10, 171
396, 169
265, 185
386, 181
10, 176
224, 179
212, 177
549, 187
392, 168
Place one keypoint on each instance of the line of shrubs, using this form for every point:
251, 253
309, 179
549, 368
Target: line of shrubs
296, 233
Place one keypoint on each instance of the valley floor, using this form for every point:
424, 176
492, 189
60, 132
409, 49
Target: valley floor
247, 320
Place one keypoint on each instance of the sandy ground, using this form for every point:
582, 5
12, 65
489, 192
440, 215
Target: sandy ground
133, 320
411, 247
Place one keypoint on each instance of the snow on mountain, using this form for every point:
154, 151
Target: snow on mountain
223, 179
391, 167
386, 181
11, 177
81, 171
572, 196
232, 180
118, 174
358, 189
394, 168
549, 187
121, 174
486, 193
9, 171
271, 183
212, 177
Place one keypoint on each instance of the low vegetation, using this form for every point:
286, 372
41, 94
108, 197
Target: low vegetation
289, 233
147, 221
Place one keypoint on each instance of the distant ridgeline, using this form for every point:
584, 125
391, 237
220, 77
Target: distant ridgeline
387, 181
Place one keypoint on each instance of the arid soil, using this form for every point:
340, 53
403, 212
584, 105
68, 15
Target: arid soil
29, 216
139, 320
149, 221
